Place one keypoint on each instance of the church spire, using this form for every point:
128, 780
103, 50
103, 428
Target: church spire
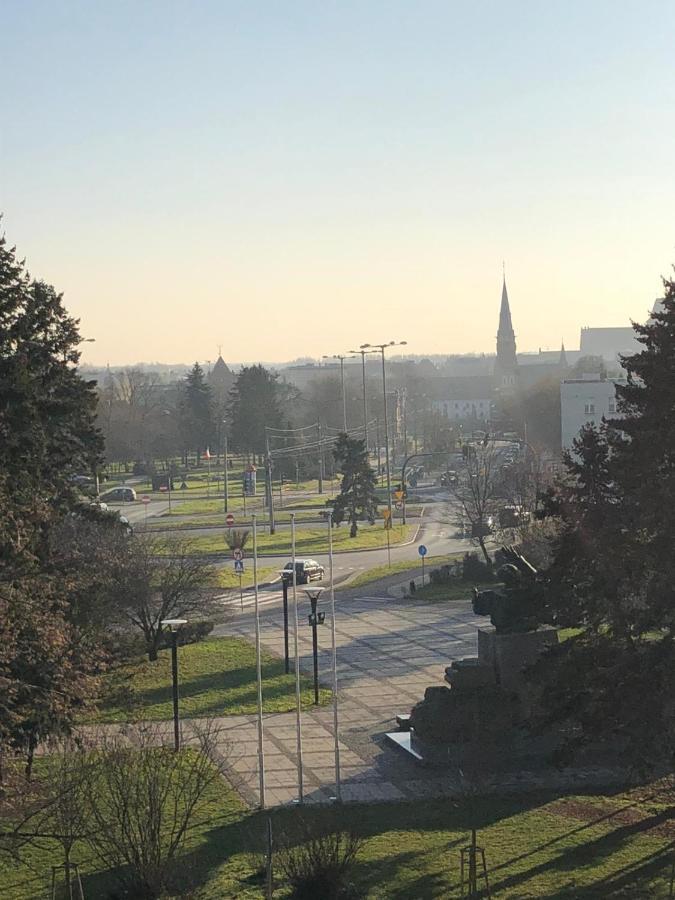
507, 362
562, 361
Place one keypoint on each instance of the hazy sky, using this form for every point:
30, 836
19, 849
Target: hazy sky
291, 178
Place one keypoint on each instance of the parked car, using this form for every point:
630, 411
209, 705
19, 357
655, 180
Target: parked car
118, 494
448, 479
484, 528
306, 570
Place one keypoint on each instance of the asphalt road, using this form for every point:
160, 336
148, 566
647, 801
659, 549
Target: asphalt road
436, 530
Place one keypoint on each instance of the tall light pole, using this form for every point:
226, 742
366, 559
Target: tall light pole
365, 402
371, 348
342, 383
173, 625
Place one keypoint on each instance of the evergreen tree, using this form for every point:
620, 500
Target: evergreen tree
357, 499
197, 411
47, 434
613, 573
255, 402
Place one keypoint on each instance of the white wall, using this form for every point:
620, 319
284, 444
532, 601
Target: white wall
463, 409
582, 402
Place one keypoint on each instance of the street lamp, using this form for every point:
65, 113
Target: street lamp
173, 625
373, 348
365, 402
342, 382
315, 619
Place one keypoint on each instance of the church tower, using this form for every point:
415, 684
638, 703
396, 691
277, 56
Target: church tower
506, 366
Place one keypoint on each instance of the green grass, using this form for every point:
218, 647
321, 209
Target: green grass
537, 846
456, 590
396, 568
226, 577
309, 540
217, 677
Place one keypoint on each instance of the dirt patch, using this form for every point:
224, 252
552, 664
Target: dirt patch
663, 821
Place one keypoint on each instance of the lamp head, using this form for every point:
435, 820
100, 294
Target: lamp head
173, 624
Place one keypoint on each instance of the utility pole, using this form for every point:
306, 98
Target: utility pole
320, 459
268, 484
225, 477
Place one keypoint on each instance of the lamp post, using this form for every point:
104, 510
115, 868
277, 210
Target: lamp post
365, 402
173, 625
342, 383
284, 591
315, 619
372, 348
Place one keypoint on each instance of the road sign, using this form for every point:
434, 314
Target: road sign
238, 554
387, 513
239, 566
422, 550
145, 499
229, 520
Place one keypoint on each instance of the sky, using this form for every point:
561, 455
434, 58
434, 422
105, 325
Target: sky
289, 179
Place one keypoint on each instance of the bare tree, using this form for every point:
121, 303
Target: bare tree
478, 491
163, 579
152, 798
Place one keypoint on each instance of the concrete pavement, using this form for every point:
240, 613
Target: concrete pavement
388, 652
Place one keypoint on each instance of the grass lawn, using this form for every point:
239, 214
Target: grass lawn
310, 540
226, 577
582, 847
403, 565
456, 590
217, 677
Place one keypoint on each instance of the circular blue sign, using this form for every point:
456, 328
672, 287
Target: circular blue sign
422, 550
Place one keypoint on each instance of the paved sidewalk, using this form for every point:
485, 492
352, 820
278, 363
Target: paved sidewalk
389, 651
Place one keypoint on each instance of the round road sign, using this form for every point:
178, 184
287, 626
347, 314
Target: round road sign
145, 499
238, 554
229, 520
422, 550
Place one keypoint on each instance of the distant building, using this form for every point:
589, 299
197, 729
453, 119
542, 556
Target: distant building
459, 399
506, 364
584, 401
609, 343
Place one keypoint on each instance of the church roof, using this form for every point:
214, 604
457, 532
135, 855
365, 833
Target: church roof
505, 325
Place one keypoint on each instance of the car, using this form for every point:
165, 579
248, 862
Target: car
449, 478
306, 570
119, 494
98, 504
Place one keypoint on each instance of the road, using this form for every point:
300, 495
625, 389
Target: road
436, 530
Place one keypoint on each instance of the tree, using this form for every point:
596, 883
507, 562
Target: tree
196, 411
357, 499
477, 491
47, 434
162, 579
254, 404
613, 574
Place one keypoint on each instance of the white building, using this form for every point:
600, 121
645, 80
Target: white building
460, 408
583, 401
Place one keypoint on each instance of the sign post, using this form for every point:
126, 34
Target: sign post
422, 550
239, 570
387, 527
145, 500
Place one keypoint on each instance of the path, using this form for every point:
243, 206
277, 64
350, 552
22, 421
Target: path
389, 651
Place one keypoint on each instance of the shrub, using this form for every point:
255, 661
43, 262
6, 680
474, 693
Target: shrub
320, 866
191, 633
475, 569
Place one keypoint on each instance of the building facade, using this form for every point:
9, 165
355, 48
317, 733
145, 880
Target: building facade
585, 401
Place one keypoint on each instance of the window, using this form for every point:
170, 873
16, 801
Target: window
589, 408
612, 406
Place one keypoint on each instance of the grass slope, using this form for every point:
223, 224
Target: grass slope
537, 846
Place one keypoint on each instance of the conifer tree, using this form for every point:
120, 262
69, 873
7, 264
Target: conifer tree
357, 499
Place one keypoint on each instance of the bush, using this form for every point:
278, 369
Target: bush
191, 633
320, 866
475, 569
